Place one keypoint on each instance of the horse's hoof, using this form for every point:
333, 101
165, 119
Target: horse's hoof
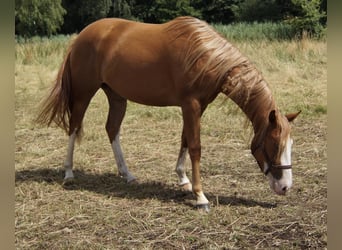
133, 181
129, 177
186, 187
68, 181
203, 207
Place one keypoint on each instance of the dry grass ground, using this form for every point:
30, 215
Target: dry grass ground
100, 211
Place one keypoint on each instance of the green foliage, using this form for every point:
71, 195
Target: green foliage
256, 10
83, 12
268, 31
305, 16
38, 17
122, 9
159, 11
45, 17
165, 10
309, 17
142, 10
217, 11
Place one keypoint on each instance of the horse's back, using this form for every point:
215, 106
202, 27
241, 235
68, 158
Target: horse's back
132, 58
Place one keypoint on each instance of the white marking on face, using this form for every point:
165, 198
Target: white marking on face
285, 182
285, 158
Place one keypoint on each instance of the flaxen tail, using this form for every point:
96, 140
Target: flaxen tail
57, 106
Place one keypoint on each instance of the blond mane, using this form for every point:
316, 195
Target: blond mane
205, 50
208, 52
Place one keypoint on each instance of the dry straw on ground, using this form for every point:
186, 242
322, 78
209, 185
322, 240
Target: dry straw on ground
100, 211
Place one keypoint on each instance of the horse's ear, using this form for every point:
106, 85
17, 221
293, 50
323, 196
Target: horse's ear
291, 117
272, 117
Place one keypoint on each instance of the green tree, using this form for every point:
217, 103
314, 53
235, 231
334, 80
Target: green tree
216, 11
80, 13
308, 17
256, 10
160, 11
323, 8
303, 15
38, 17
121, 8
142, 10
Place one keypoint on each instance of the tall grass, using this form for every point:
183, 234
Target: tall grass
259, 31
41, 50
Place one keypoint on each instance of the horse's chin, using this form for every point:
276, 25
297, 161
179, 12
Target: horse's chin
283, 185
280, 192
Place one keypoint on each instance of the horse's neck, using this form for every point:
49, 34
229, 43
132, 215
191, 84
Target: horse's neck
258, 111
253, 96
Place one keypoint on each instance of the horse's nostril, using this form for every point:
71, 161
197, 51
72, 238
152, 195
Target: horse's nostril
284, 188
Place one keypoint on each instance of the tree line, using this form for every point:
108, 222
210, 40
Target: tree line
48, 17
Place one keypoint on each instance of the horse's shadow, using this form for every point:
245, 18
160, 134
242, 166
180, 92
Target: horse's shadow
111, 185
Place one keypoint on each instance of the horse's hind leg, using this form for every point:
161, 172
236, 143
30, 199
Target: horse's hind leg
78, 110
117, 110
69, 158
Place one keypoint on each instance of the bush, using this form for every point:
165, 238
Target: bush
308, 20
305, 16
257, 10
38, 17
256, 31
83, 12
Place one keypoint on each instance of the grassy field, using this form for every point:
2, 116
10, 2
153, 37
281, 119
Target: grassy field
100, 211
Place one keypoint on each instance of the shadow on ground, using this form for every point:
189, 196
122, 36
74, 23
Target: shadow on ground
112, 185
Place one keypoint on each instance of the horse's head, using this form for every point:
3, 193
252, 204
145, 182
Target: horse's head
272, 150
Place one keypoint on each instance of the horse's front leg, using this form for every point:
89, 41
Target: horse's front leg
192, 112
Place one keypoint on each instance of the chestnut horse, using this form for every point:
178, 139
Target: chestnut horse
184, 63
